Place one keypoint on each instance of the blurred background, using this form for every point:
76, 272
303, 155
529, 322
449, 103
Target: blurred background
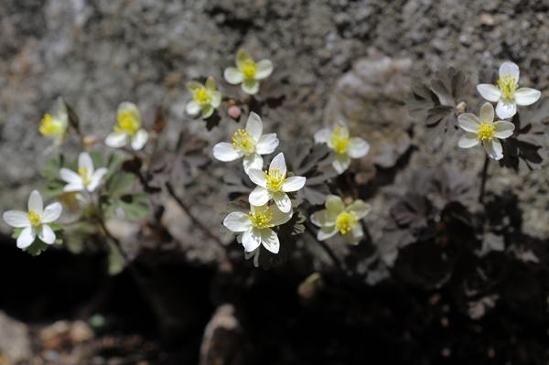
332, 58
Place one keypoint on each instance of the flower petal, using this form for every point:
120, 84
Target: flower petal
486, 113
282, 201
526, 96
96, 178
326, 232
47, 235
251, 240
360, 208
334, 205
85, 161
270, 241
504, 129
73, 187
233, 76
216, 99
35, 202
140, 139
116, 140
489, 92
26, 238
258, 177
278, 163
254, 126
207, 111
259, 196
70, 176
267, 144
321, 218
210, 84
341, 163
357, 147
509, 68
52, 213
237, 222
250, 86
293, 183
506, 110
264, 69
241, 57
128, 107
16, 218
279, 217
193, 86
493, 148
468, 122
253, 161
193, 108
355, 235
323, 135
468, 140
226, 152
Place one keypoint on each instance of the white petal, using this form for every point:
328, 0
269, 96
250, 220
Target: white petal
267, 144
355, 235
253, 161
85, 161
259, 196
264, 69
293, 183
282, 201
116, 140
254, 126
226, 152
486, 113
493, 148
96, 178
193, 108
506, 110
334, 205
207, 111
278, 163
16, 218
270, 240
279, 217
323, 135
26, 238
468, 140
341, 163
193, 86
35, 202
504, 129
526, 96
251, 240
140, 139
250, 86
216, 99
233, 76
468, 122
258, 177
326, 232
52, 213
323, 219
489, 92
72, 187
70, 176
47, 235
241, 57
358, 148
360, 208
237, 222
509, 68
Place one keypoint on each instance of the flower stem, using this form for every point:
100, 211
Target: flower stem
484, 178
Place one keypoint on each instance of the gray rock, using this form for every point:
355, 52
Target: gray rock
15, 342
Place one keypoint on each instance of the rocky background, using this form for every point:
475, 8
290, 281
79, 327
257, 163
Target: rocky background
355, 59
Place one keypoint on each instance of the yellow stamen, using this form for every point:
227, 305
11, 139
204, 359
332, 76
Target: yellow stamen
128, 123
50, 126
261, 219
346, 221
507, 85
339, 140
275, 180
249, 69
486, 131
85, 175
243, 141
34, 218
202, 96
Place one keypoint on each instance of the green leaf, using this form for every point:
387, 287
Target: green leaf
52, 166
36, 248
116, 261
135, 206
16, 233
120, 183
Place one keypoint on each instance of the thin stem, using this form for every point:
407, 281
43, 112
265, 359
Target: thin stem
114, 240
484, 178
337, 262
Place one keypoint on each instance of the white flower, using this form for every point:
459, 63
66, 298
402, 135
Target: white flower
35, 221
248, 72
206, 98
86, 178
274, 185
506, 94
127, 128
340, 218
256, 227
247, 143
345, 147
484, 130
55, 125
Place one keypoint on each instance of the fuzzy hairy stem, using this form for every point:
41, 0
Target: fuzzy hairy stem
484, 178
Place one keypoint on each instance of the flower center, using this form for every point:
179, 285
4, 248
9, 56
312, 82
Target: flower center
339, 140
261, 220
85, 175
507, 85
202, 96
274, 180
243, 141
49, 126
34, 218
486, 131
127, 123
346, 221
249, 69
